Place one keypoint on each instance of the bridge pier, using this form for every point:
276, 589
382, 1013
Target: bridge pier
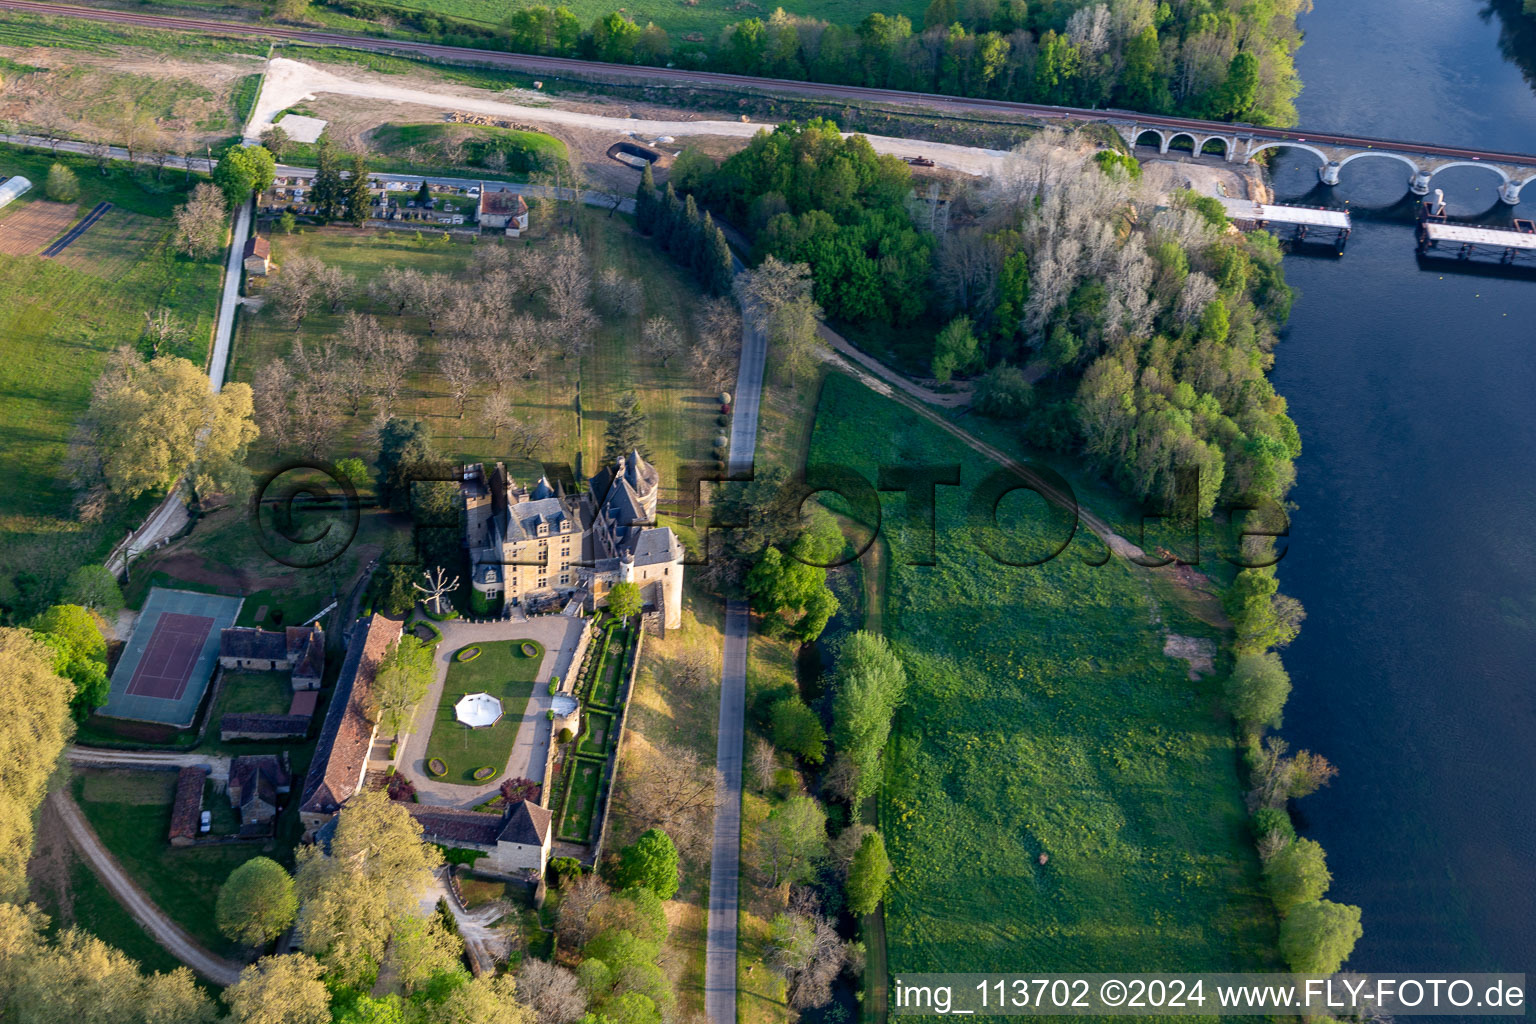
1419, 184
1328, 174
1510, 192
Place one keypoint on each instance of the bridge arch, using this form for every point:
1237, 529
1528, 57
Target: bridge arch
1226, 145
1157, 136
1194, 144
1413, 168
1503, 176
1288, 144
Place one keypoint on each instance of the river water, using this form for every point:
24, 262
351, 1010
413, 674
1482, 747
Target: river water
1414, 542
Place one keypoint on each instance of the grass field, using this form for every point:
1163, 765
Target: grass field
680, 416
1042, 718
440, 148
584, 775
131, 813
506, 673
253, 692
58, 320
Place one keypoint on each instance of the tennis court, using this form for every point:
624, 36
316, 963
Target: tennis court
165, 669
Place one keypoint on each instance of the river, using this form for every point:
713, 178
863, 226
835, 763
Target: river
1414, 542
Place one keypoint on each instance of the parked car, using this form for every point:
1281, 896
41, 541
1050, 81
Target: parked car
206, 823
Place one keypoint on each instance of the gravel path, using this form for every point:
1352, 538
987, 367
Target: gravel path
163, 929
218, 766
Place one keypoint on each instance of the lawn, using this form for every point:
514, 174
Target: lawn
59, 318
604, 691
131, 813
572, 397
441, 148
506, 673
594, 733
253, 692
1042, 718
583, 776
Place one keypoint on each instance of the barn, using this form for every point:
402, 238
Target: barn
11, 188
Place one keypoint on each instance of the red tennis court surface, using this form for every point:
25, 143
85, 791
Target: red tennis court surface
165, 668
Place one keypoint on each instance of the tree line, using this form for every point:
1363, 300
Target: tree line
1201, 58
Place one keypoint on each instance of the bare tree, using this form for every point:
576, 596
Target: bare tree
490, 258
99, 147
496, 410
575, 925
200, 222
568, 277
460, 374
135, 128
551, 991
808, 953
391, 356
160, 149
51, 120
162, 327
717, 349
618, 294
842, 849
438, 587
526, 439
271, 387
293, 290
765, 765
511, 352
779, 296
673, 790
334, 286
661, 339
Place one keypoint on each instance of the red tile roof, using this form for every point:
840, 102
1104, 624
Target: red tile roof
188, 806
503, 203
342, 750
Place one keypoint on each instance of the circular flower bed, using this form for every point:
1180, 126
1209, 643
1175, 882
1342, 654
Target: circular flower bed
436, 767
530, 649
467, 654
483, 772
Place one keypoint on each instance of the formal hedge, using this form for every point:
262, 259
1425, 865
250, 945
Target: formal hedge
467, 654
530, 649
436, 767
484, 772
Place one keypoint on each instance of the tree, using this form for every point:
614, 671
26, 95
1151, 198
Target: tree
868, 685
405, 454
280, 990
779, 296
1296, 874
651, 861
461, 375
34, 726
359, 199
256, 904
765, 765
661, 339
1260, 617
869, 875
94, 587
327, 190
576, 924
423, 194
422, 949
797, 730
276, 141
626, 430
162, 327
404, 675
1257, 689
352, 901
667, 786
792, 595
624, 600
80, 654
201, 222
1316, 938
61, 185
793, 838
617, 293
551, 991
955, 350
354, 471
243, 171
1004, 392
484, 1000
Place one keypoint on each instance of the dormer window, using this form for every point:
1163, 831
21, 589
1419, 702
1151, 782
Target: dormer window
543, 529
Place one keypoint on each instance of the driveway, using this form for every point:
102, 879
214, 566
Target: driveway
725, 858
161, 928
559, 635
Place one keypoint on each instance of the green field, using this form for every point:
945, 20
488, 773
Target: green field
58, 320
583, 777
253, 692
506, 673
680, 416
131, 813
595, 731
440, 148
1043, 718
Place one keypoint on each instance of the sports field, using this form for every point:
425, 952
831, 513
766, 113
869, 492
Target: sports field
169, 660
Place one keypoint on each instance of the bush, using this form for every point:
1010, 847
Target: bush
484, 772
467, 654
565, 868
444, 617
550, 714
437, 634
61, 185
554, 686
436, 767
530, 649
1272, 819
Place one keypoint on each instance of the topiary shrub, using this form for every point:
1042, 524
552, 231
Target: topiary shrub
550, 714
484, 772
436, 767
566, 736
554, 686
467, 654
530, 648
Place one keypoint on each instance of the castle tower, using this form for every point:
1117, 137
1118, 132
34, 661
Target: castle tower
644, 480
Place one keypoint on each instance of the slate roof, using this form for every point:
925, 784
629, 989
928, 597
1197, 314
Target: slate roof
527, 823
449, 825
342, 750
260, 775
652, 545
306, 651
268, 724
188, 805
523, 519
246, 642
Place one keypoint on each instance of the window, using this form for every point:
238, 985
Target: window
543, 582
565, 578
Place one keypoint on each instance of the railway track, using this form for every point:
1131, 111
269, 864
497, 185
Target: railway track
556, 66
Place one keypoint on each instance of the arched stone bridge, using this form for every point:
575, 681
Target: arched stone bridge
1421, 162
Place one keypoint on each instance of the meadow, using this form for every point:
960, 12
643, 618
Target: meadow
572, 397
59, 318
1044, 721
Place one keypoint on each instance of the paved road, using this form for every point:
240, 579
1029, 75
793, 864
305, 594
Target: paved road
163, 929
556, 66
223, 335
725, 860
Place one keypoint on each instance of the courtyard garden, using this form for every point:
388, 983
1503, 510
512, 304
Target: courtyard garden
579, 784
503, 670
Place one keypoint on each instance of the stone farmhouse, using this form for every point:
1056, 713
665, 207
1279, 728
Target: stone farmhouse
542, 545
515, 842
299, 650
255, 783
503, 211
341, 753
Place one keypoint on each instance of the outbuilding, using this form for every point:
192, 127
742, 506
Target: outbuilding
503, 210
258, 256
12, 188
